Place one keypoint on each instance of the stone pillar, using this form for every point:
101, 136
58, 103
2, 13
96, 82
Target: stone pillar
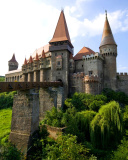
41, 75
60, 97
46, 98
25, 118
36, 76
29, 77
50, 97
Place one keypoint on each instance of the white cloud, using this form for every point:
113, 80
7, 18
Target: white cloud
27, 25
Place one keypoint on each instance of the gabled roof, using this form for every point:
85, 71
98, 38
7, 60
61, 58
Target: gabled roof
107, 36
61, 32
13, 59
83, 52
30, 59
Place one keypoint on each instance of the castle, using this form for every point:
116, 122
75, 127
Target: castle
87, 71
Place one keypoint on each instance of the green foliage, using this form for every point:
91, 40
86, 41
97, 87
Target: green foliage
95, 105
11, 153
2, 79
6, 99
67, 148
122, 151
5, 124
83, 101
106, 127
120, 97
83, 120
125, 117
53, 118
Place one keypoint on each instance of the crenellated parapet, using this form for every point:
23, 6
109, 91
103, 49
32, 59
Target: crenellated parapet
97, 55
77, 75
122, 74
92, 78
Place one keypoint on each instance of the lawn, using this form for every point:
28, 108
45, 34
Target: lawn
5, 122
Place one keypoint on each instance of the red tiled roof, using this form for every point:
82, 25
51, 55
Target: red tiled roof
43, 54
107, 36
25, 61
36, 59
61, 32
30, 59
39, 51
83, 52
13, 59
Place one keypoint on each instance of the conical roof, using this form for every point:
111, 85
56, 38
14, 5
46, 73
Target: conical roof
107, 36
61, 32
43, 54
25, 62
13, 59
83, 52
36, 59
30, 59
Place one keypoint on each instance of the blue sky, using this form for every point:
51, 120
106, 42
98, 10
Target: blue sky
26, 25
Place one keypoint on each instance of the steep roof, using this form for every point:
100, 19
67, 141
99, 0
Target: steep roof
107, 36
13, 59
25, 61
61, 32
83, 52
39, 51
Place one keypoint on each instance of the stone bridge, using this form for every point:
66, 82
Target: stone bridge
30, 103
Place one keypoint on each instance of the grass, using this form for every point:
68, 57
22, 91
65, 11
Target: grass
5, 122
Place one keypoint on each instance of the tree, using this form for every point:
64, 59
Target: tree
106, 127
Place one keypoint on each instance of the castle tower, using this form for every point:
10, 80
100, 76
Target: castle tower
12, 64
108, 49
61, 48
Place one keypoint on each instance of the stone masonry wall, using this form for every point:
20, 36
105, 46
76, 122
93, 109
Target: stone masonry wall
25, 118
122, 82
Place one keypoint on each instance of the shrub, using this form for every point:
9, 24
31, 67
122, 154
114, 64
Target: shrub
122, 151
67, 148
53, 118
6, 99
11, 153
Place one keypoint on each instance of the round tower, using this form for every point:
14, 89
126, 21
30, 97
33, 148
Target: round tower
12, 64
108, 49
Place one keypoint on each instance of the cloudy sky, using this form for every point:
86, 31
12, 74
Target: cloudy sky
26, 25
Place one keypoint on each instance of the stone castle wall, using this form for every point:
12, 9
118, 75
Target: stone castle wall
122, 82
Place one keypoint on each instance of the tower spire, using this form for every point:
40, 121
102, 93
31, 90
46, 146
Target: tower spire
61, 32
107, 36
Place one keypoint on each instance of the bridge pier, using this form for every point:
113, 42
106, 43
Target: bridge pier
25, 118
29, 107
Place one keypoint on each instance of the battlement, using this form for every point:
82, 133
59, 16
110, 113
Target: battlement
92, 78
122, 74
93, 56
78, 75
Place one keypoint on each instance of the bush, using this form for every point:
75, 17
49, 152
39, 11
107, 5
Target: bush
83, 101
6, 99
53, 118
67, 147
11, 153
122, 151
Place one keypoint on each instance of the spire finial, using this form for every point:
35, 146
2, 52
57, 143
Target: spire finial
106, 13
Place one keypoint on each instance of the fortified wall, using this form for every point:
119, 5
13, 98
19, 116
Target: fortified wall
122, 82
85, 83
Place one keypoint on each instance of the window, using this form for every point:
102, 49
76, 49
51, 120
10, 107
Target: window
82, 65
58, 63
90, 73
